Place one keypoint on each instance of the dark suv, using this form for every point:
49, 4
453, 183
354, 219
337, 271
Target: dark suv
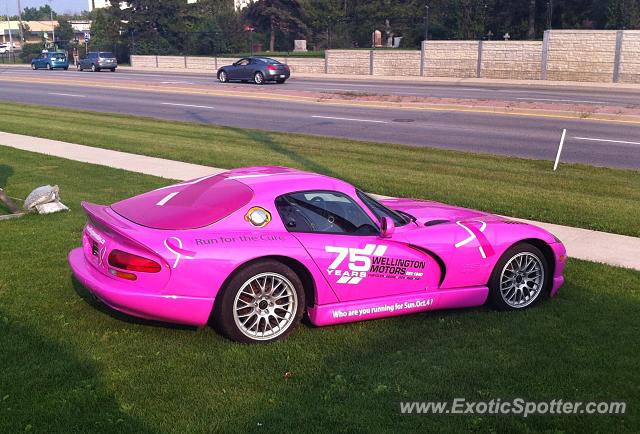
97, 60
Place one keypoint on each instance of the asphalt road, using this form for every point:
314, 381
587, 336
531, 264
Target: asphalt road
590, 142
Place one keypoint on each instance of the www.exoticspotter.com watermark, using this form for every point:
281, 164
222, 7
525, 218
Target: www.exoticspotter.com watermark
518, 407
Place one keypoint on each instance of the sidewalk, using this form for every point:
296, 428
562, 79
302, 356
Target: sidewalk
611, 249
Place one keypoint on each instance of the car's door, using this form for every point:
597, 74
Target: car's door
346, 246
234, 72
42, 61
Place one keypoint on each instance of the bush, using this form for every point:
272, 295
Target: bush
29, 51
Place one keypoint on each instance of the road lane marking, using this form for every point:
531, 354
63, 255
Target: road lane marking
175, 82
563, 100
67, 94
350, 119
591, 139
187, 105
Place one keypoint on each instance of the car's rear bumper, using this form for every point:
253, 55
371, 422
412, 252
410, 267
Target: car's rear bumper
119, 295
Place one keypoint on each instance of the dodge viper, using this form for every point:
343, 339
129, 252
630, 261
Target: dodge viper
254, 249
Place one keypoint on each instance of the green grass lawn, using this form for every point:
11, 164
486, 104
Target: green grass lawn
68, 364
576, 195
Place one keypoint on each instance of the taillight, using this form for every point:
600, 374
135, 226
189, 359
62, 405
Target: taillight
131, 262
272, 67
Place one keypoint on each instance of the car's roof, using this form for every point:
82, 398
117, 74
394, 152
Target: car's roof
278, 180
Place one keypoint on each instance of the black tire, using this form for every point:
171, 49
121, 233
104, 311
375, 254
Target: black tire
94, 68
113, 69
222, 77
33, 66
66, 68
258, 78
281, 80
501, 299
225, 302
49, 68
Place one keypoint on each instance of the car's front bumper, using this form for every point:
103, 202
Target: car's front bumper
119, 295
560, 254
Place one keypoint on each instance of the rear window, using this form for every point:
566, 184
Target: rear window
59, 56
191, 205
106, 54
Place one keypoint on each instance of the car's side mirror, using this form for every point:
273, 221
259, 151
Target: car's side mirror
387, 227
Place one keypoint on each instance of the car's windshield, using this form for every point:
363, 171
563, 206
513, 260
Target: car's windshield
106, 54
379, 210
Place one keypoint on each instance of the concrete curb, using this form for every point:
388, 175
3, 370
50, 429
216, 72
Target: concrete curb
611, 249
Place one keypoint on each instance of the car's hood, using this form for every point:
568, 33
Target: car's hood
427, 211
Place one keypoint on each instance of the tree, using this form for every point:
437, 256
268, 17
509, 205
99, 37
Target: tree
277, 16
64, 31
42, 13
531, 34
623, 14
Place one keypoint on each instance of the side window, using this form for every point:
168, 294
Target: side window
243, 62
327, 212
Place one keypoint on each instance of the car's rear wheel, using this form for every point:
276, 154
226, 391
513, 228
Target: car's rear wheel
113, 69
520, 278
66, 68
263, 302
281, 80
222, 77
93, 68
258, 78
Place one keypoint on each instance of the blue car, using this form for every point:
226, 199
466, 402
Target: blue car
50, 61
256, 69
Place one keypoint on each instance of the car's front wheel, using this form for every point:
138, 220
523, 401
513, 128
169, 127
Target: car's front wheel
263, 302
258, 78
520, 278
49, 66
33, 66
222, 77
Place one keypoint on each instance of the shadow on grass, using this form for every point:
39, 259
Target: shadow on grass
5, 173
101, 307
303, 162
45, 387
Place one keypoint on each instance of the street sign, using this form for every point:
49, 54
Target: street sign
87, 36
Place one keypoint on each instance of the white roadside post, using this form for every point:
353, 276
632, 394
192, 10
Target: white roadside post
564, 134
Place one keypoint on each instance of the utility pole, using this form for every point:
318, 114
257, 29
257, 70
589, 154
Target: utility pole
20, 19
52, 25
426, 23
549, 14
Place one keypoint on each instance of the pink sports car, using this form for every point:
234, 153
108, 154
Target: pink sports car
253, 249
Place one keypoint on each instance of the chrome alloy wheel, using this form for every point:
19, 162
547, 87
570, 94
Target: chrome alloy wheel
222, 77
521, 280
265, 306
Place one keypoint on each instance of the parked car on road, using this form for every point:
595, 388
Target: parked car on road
97, 60
3, 48
256, 69
253, 249
50, 60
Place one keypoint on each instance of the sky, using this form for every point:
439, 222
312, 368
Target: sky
60, 6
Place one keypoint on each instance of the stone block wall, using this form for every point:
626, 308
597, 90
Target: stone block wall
581, 55
630, 57
511, 60
456, 59
396, 62
348, 62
